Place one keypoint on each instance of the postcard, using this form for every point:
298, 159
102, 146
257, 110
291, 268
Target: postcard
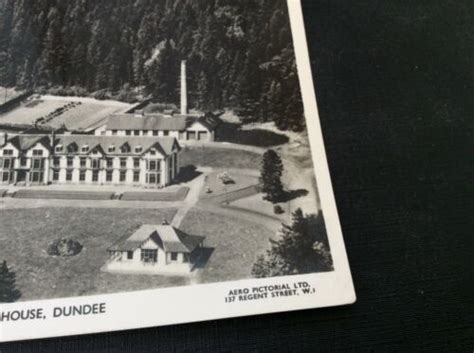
161, 162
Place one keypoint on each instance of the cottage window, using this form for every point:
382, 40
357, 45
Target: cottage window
136, 163
82, 176
95, 163
114, 132
37, 152
72, 148
84, 149
138, 149
8, 152
128, 132
149, 255
111, 149
123, 162
7, 163
154, 165
152, 152
59, 149
155, 133
110, 163
55, 175
174, 256
70, 161
56, 162
136, 132
23, 161
123, 176
166, 133
125, 149
129, 255
36, 177
185, 258
83, 162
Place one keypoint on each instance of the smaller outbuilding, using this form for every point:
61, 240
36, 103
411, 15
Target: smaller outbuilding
158, 249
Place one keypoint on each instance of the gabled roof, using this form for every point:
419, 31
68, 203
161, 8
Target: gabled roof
164, 144
25, 142
167, 237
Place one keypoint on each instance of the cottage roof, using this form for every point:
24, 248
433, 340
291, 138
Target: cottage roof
25, 142
167, 237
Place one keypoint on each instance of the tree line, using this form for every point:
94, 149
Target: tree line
239, 53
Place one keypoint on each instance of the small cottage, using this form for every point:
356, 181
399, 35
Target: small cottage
156, 249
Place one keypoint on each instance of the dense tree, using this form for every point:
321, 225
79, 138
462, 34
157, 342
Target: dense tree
300, 248
8, 291
270, 176
239, 53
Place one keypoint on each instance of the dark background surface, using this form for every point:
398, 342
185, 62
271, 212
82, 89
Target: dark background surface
395, 90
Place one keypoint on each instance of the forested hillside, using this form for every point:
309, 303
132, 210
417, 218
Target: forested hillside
239, 53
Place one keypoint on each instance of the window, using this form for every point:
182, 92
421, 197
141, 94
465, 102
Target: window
84, 149
82, 176
95, 163
38, 163
174, 256
37, 152
110, 163
136, 163
7, 163
155, 133
6, 176
136, 132
138, 149
56, 162
72, 148
153, 178
36, 177
136, 177
166, 133
23, 161
109, 176
111, 149
95, 176
114, 132
145, 132
128, 132
153, 152
59, 149
69, 175
125, 148
154, 164
123, 162
149, 255
123, 176
70, 161
8, 152
83, 162
55, 175
129, 255
185, 258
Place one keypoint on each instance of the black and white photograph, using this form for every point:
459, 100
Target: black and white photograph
152, 144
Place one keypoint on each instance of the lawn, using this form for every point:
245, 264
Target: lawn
235, 245
25, 234
220, 158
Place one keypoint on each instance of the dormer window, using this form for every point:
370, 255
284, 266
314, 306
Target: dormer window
138, 149
72, 148
8, 152
37, 153
153, 152
125, 148
59, 148
111, 149
84, 149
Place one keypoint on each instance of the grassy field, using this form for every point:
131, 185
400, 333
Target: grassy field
24, 240
220, 158
235, 245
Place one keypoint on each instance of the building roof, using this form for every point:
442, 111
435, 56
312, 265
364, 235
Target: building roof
159, 122
165, 144
25, 142
167, 237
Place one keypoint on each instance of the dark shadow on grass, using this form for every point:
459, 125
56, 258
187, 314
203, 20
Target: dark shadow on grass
231, 132
206, 253
187, 174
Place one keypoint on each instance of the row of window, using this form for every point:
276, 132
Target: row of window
73, 148
154, 165
151, 255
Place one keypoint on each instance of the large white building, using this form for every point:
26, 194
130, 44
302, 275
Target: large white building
88, 159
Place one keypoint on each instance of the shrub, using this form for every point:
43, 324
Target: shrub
278, 209
64, 247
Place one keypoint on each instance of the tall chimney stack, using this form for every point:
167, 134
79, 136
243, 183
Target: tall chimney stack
184, 92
